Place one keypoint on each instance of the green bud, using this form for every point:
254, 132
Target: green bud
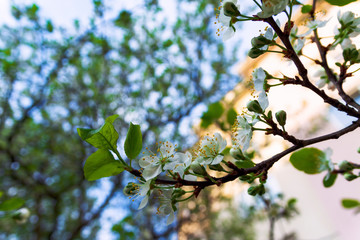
350, 54
254, 190
216, 167
130, 189
281, 117
261, 189
231, 10
255, 52
237, 153
345, 166
198, 169
349, 176
246, 178
260, 41
254, 106
178, 192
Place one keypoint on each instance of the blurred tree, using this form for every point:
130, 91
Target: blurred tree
142, 66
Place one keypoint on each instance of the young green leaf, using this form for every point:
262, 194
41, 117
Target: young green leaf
308, 160
11, 204
350, 203
329, 179
215, 110
306, 8
103, 138
133, 141
244, 164
112, 118
101, 164
340, 2
231, 116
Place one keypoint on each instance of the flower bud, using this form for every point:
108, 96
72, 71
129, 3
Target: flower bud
130, 189
178, 192
254, 106
254, 190
231, 10
349, 176
246, 178
21, 216
198, 169
345, 166
260, 41
281, 117
236, 153
350, 54
255, 52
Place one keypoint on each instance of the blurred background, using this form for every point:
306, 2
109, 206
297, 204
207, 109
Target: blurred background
159, 63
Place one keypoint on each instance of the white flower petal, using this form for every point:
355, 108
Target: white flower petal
143, 202
151, 171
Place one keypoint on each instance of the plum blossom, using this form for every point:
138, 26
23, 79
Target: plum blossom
350, 22
242, 133
21, 215
210, 149
179, 163
312, 25
153, 165
228, 20
137, 190
166, 205
272, 7
259, 77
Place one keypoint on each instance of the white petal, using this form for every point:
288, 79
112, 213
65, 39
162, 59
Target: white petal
229, 33
217, 159
171, 218
143, 202
263, 100
151, 171
147, 160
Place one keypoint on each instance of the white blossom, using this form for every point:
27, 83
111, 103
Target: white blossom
21, 215
153, 164
259, 76
312, 25
272, 7
352, 24
242, 133
227, 21
210, 149
179, 163
166, 206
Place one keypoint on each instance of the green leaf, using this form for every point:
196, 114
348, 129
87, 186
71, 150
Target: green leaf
103, 138
215, 110
101, 164
306, 8
133, 141
329, 179
231, 116
244, 164
350, 203
11, 204
167, 43
340, 2
308, 160
112, 118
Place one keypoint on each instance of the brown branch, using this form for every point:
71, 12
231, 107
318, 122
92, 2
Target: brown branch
260, 167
